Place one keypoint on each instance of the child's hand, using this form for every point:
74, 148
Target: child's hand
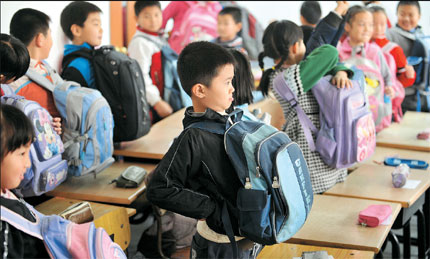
341, 80
410, 72
342, 7
389, 91
56, 123
163, 108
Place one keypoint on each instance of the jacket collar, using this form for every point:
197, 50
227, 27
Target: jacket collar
208, 115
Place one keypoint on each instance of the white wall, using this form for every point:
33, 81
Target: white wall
53, 9
264, 11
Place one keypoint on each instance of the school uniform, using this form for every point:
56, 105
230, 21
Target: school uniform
80, 69
301, 78
236, 43
29, 89
194, 178
404, 38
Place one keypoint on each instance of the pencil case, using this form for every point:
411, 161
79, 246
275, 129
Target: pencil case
79, 213
412, 163
131, 177
374, 215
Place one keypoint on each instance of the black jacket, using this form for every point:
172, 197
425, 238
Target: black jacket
196, 175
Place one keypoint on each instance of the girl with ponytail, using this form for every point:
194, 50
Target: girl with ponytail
283, 42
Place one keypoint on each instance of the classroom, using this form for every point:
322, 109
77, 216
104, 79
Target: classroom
215, 129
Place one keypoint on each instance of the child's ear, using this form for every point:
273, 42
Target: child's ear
199, 91
39, 39
347, 27
76, 30
294, 48
238, 26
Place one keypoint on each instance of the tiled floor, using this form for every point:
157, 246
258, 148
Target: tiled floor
136, 231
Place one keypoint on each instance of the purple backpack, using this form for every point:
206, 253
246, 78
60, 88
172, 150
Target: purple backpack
347, 134
48, 169
63, 238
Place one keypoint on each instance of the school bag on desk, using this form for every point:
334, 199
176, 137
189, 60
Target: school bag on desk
63, 238
174, 94
347, 132
48, 169
87, 120
119, 79
275, 179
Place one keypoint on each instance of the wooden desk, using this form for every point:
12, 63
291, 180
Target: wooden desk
404, 134
272, 107
416, 119
113, 219
373, 182
157, 142
382, 152
99, 189
290, 250
333, 223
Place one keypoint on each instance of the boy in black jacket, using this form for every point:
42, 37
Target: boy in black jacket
196, 176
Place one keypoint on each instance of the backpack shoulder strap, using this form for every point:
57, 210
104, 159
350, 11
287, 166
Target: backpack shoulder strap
83, 52
389, 46
7, 89
40, 79
21, 223
281, 87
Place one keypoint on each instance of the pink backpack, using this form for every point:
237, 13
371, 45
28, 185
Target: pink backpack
63, 238
198, 24
380, 104
397, 85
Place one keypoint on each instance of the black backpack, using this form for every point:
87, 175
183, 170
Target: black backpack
119, 79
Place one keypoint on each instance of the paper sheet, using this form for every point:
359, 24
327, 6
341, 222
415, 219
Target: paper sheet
411, 184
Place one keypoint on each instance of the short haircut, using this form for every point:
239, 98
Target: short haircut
353, 11
15, 58
311, 11
414, 3
199, 63
235, 12
16, 129
27, 23
140, 5
377, 9
76, 13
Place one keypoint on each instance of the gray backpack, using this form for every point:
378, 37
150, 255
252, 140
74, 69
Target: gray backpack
87, 120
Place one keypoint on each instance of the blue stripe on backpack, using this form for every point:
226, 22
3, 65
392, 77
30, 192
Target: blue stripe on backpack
277, 194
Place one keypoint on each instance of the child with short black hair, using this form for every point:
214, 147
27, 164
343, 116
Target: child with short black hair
283, 42
196, 175
81, 23
14, 59
407, 28
32, 28
229, 25
310, 14
145, 48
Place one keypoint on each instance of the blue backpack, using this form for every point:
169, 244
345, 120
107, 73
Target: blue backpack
48, 169
63, 238
174, 94
277, 194
87, 120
